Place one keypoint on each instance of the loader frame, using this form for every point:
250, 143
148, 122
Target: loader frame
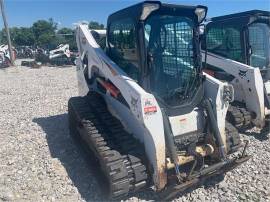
139, 111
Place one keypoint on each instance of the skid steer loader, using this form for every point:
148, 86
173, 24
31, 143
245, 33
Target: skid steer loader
238, 51
145, 109
59, 56
5, 56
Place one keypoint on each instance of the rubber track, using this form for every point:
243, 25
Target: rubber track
239, 117
118, 153
233, 138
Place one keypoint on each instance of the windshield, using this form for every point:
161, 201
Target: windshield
170, 44
259, 36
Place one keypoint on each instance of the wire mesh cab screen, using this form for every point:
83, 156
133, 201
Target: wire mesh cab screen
259, 36
225, 41
170, 42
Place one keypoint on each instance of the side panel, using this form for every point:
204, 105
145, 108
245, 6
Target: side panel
83, 88
146, 131
214, 91
142, 116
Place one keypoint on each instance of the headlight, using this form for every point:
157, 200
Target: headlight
147, 9
201, 13
228, 93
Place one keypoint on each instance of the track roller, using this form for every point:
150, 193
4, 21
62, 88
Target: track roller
239, 117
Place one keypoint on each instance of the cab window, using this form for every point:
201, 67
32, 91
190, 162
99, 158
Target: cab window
226, 42
259, 37
123, 50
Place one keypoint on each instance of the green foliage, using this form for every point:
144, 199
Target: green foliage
95, 25
23, 36
19, 36
65, 31
3, 37
44, 33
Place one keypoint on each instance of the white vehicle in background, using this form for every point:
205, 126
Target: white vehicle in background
238, 51
5, 60
61, 51
59, 56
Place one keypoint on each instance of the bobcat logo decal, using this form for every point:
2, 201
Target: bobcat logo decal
242, 74
134, 103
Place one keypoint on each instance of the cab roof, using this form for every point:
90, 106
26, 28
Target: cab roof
241, 19
136, 11
246, 14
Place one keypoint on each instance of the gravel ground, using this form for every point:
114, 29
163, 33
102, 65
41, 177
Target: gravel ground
40, 162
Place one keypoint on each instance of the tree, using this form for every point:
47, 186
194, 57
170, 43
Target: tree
23, 37
95, 25
19, 36
46, 40
44, 32
65, 31
3, 38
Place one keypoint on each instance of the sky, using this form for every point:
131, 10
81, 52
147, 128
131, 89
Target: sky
23, 13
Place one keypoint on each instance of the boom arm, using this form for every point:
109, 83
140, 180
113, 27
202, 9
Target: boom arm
140, 112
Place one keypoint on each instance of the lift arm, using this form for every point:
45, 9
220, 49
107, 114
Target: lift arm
248, 84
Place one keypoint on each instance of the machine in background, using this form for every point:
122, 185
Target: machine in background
238, 51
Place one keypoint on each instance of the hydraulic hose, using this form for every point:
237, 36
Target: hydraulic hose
215, 129
169, 138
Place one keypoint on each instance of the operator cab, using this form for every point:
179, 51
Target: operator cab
243, 37
158, 46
